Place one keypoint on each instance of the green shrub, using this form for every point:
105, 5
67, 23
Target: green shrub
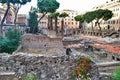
82, 68
29, 77
10, 42
6, 78
116, 74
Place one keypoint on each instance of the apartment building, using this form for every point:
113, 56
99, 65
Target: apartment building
21, 19
43, 22
114, 6
22, 22
8, 23
69, 21
2, 11
10, 16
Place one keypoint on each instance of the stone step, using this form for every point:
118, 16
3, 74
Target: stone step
107, 64
104, 76
107, 68
105, 73
8, 76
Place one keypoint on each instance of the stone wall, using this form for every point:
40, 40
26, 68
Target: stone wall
40, 41
40, 44
46, 67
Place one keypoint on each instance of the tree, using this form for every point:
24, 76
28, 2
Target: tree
101, 14
10, 42
80, 19
8, 2
98, 15
63, 15
8, 7
45, 6
33, 21
89, 17
55, 16
17, 6
50, 22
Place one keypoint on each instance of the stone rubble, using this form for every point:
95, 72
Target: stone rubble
52, 67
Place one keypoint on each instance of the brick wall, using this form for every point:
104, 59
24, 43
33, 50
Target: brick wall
39, 41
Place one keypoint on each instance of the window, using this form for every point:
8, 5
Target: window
65, 23
72, 23
116, 21
113, 21
76, 23
108, 22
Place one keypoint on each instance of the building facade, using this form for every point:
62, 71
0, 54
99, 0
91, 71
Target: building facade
2, 11
114, 6
69, 21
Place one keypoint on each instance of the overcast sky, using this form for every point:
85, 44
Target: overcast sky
78, 5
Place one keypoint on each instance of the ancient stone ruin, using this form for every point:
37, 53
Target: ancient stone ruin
46, 66
41, 44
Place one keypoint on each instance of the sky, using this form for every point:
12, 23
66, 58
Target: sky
77, 5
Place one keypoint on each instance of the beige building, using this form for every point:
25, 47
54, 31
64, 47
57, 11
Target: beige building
2, 11
114, 6
43, 22
21, 19
69, 22
10, 16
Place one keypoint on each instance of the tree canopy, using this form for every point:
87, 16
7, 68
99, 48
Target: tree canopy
64, 14
15, 1
54, 15
89, 16
47, 5
103, 14
98, 14
79, 18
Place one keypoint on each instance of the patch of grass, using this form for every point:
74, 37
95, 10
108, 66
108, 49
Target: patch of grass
116, 74
29, 77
